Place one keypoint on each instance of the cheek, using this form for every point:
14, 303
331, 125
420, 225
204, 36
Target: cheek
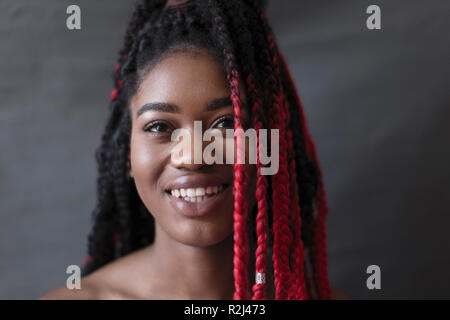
147, 163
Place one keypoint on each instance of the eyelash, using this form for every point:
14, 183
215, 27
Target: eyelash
226, 118
156, 123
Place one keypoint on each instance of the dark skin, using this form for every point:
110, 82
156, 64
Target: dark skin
191, 258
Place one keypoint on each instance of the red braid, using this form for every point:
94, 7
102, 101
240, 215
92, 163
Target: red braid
320, 242
87, 259
299, 290
287, 179
319, 254
119, 83
259, 289
240, 204
281, 230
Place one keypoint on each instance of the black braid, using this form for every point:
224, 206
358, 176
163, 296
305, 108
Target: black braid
101, 248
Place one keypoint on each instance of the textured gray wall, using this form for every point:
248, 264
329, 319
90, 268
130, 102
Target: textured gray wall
377, 105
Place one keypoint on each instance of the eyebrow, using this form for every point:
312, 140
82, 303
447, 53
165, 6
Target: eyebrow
173, 108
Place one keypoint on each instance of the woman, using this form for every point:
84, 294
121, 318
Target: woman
167, 229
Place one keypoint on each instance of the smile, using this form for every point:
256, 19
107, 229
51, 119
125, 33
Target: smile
200, 201
197, 194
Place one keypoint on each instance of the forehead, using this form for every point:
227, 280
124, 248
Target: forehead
183, 75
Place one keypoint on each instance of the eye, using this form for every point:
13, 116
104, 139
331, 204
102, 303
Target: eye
225, 122
158, 127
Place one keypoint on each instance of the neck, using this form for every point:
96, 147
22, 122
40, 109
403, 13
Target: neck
187, 272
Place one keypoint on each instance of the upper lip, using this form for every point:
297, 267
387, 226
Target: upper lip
195, 181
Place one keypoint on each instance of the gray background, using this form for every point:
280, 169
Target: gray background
377, 105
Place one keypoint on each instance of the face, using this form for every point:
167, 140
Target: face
181, 89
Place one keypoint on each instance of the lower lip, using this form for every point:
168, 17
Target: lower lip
199, 209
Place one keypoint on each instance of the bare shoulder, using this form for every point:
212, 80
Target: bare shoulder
98, 285
110, 282
89, 290
337, 294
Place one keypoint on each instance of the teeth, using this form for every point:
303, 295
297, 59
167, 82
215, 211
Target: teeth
196, 194
200, 192
176, 193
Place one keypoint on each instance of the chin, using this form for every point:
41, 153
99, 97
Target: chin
204, 235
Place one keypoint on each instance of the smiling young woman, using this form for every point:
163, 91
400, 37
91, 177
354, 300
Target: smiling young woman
170, 230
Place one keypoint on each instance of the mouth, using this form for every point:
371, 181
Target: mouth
200, 201
197, 194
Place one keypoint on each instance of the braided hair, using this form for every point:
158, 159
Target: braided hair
288, 221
